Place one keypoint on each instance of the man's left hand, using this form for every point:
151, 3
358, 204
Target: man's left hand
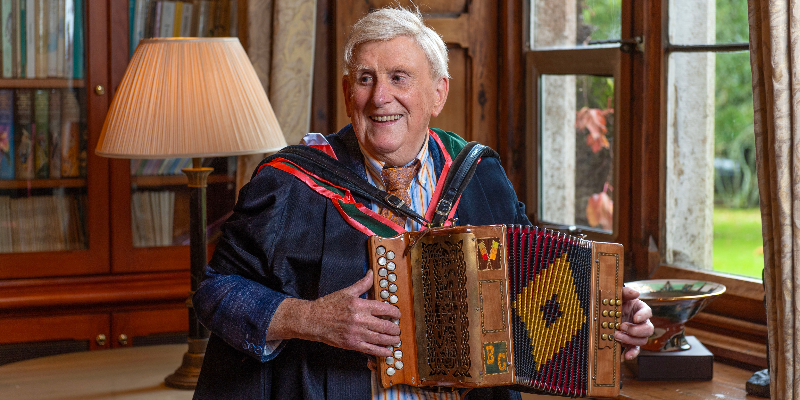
635, 327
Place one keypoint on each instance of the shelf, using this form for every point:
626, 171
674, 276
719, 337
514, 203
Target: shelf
173, 180
42, 183
43, 83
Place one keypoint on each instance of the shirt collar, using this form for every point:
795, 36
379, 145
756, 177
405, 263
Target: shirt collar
374, 166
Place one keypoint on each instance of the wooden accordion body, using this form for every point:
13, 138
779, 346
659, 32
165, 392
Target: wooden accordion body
502, 305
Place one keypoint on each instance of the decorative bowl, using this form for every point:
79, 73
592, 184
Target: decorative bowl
674, 301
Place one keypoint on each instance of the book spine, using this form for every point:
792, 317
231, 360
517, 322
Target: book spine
42, 27
55, 133
176, 23
60, 40
78, 59
7, 134
156, 19
41, 134
167, 19
23, 133
233, 31
30, 39
186, 21
51, 37
70, 134
7, 26
139, 21
131, 26
69, 38
19, 38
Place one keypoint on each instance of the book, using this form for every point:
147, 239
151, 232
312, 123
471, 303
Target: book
176, 23
20, 40
202, 14
7, 37
154, 25
61, 39
30, 38
6, 222
167, 19
51, 37
6, 134
23, 133
41, 134
139, 22
83, 142
40, 36
54, 124
70, 134
69, 38
78, 60
233, 30
186, 20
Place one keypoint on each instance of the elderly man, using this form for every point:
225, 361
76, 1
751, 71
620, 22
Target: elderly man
284, 294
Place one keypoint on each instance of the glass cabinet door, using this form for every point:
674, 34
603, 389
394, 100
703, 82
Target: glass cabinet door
43, 127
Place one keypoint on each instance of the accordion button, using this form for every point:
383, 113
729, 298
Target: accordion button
390, 371
392, 277
390, 255
605, 312
619, 314
398, 365
393, 288
382, 261
393, 299
391, 266
389, 360
396, 322
605, 302
604, 324
384, 294
380, 250
383, 272
384, 283
398, 354
617, 326
604, 336
610, 337
400, 342
619, 302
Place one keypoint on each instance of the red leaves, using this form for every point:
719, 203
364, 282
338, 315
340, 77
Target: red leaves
600, 210
593, 120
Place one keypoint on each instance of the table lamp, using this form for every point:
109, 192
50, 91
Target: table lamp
190, 98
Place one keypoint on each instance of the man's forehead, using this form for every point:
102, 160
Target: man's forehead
411, 57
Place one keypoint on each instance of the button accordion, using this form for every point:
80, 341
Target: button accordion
502, 305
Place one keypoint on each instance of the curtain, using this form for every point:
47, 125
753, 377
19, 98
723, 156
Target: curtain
281, 48
775, 48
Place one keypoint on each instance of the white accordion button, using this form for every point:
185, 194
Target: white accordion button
396, 322
383, 272
390, 255
384, 283
398, 365
398, 354
400, 342
393, 299
392, 277
380, 250
393, 288
391, 266
382, 261
384, 294
390, 371
389, 360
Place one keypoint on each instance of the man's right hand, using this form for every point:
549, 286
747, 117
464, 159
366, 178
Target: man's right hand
341, 319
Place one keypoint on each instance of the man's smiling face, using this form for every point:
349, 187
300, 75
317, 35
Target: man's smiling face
391, 96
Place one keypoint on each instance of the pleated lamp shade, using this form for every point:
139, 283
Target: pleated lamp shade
189, 97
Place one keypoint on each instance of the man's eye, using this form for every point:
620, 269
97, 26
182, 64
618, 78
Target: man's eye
365, 79
398, 78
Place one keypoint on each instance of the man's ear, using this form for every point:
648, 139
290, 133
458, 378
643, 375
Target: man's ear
442, 88
346, 92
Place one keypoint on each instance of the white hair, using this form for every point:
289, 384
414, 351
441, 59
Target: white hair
388, 23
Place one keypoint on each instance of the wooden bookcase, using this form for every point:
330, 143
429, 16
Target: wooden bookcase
110, 293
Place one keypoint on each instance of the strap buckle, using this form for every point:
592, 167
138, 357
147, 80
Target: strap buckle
394, 201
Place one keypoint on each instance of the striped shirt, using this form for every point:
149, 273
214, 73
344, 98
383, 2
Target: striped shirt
421, 192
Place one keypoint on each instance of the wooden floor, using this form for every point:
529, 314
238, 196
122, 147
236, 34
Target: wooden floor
138, 373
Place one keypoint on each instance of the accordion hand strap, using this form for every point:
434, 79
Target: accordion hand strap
458, 177
321, 164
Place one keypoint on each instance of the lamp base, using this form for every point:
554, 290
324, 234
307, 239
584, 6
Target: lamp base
185, 377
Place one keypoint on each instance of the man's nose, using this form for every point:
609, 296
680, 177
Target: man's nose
381, 93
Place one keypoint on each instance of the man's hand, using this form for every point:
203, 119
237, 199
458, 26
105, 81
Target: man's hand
340, 319
635, 327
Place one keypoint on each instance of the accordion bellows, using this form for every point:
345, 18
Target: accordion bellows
501, 305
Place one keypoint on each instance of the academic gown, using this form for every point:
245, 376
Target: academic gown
286, 240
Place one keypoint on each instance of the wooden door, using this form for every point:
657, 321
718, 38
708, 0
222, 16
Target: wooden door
470, 29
